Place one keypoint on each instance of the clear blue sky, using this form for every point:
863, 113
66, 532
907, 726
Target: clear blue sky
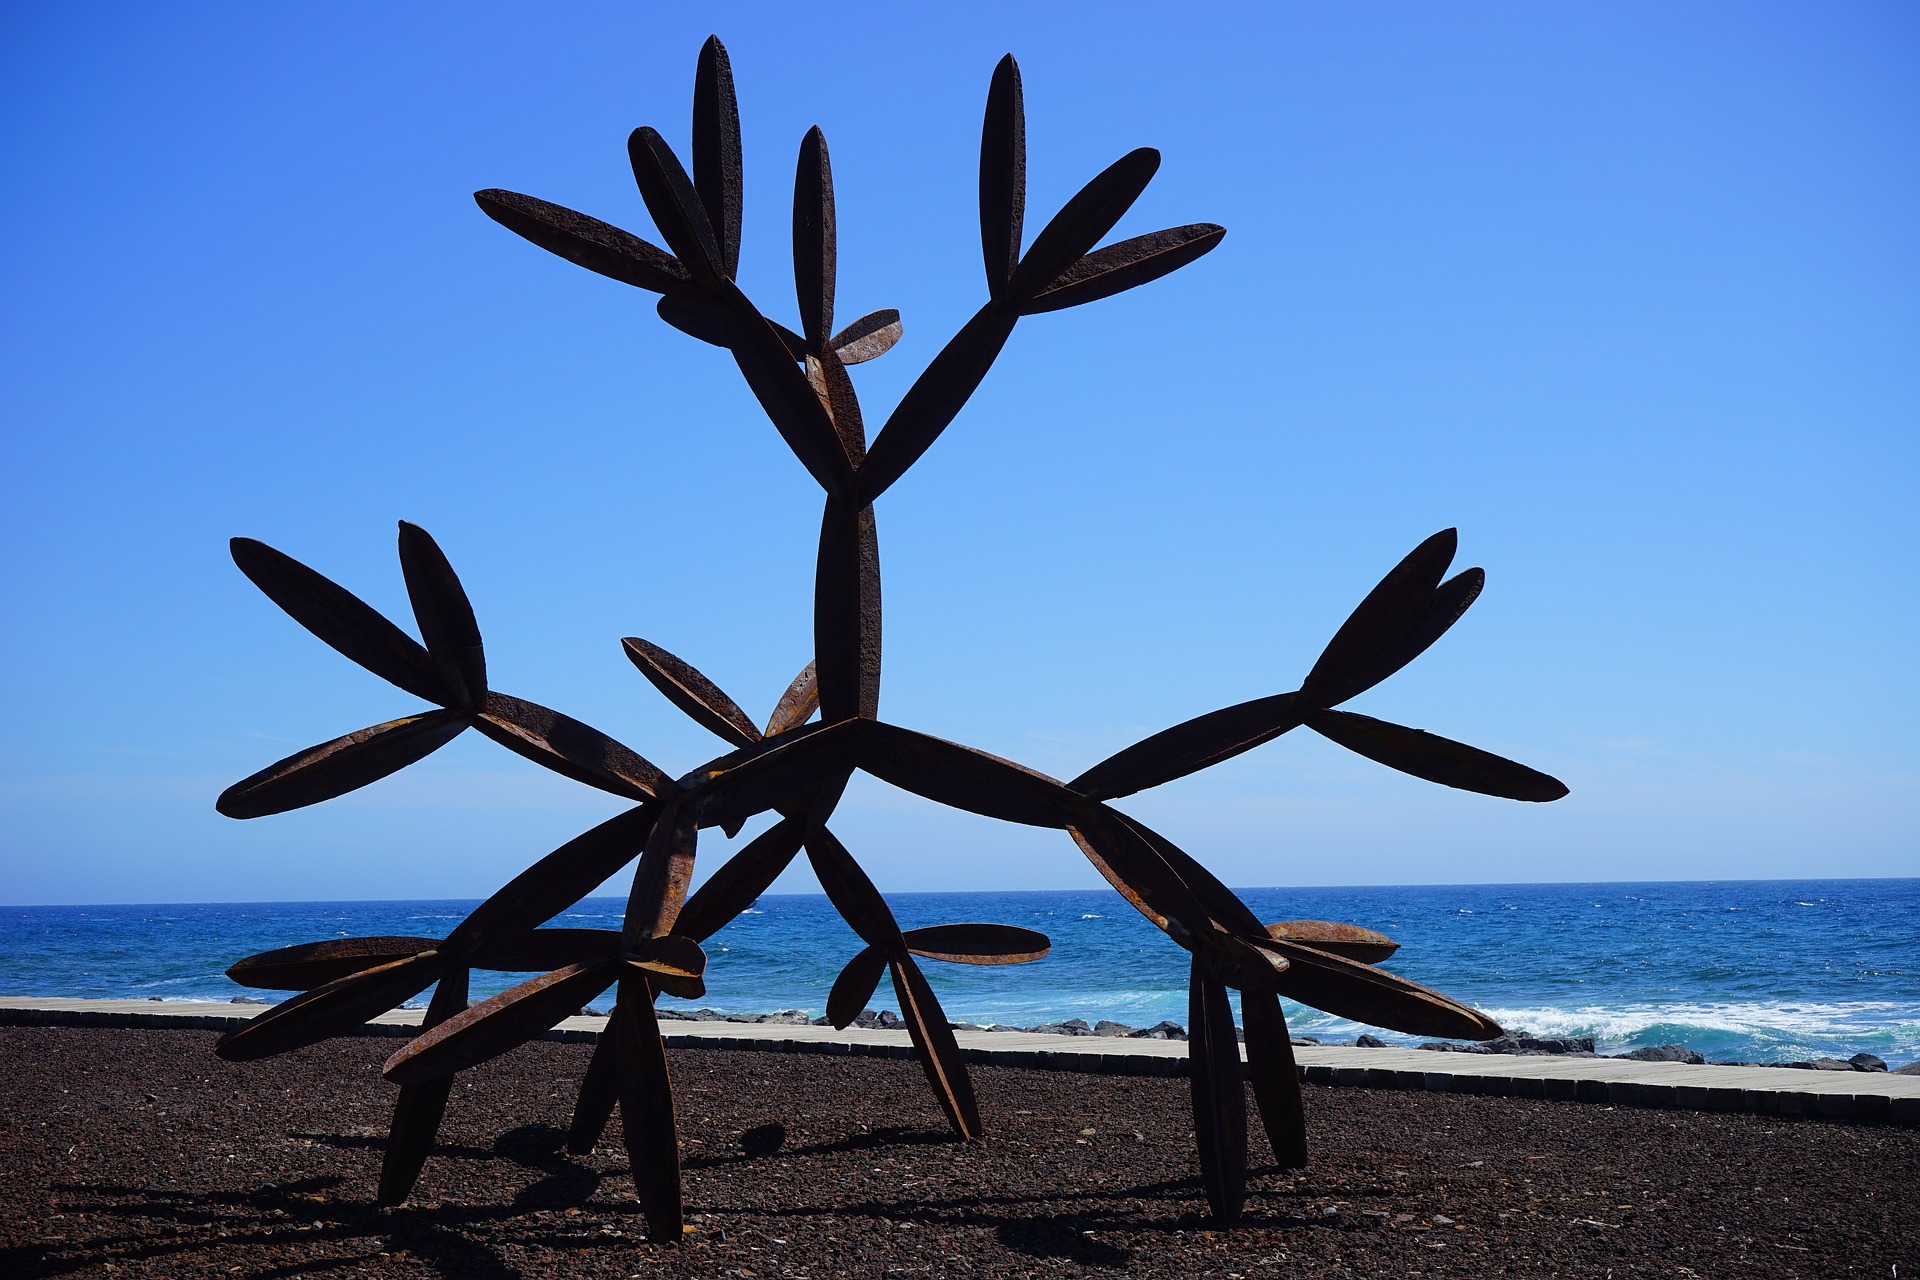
1629, 293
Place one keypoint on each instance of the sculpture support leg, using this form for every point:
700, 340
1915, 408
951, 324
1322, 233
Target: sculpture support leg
599, 1090
646, 1112
1219, 1094
416, 1116
1275, 1077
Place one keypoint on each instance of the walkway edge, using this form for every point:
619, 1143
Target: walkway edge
1860, 1097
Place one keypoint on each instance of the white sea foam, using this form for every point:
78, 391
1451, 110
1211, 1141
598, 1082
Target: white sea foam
1769, 1028
1092, 916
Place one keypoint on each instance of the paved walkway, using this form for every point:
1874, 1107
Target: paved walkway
1849, 1095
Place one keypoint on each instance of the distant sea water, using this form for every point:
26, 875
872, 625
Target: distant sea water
1765, 971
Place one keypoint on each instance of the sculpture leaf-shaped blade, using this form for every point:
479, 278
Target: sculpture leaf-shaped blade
938, 1051
814, 251
692, 692
700, 317
599, 1090
1121, 851
934, 399
1450, 600
1220, 902
331, 1010
964, 778
1274, 1077
1140, 874
588, 242
767, 363
342, 619
1082, 221
852, 893
855, 985
544, 950
773, 774
1126, 265
675, 206
978, 943
445, 615
740, 880
345, 764
660, 880
570, 748
716, 150
1377, 630
950, 774
797, 704
669, 955
1003, 175
646, 1112
1219, 1094
556, 881
499, 1023
314, 964
846, 619
870, 336
1349, 989
829, 376
1189, 746
1349, 940
417, 1112
1437, 759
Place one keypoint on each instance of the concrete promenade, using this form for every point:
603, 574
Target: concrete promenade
1839, 1095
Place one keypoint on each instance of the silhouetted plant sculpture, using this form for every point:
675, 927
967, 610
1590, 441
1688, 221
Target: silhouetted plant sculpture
796, 767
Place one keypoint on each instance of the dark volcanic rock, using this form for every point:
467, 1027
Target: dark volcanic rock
1911, 1069
1369, 1042
1831, 1064
1071, 1027
1867, 1062
1664, 1053
1162, 1030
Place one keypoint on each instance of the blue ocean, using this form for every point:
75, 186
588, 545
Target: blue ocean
1763, 971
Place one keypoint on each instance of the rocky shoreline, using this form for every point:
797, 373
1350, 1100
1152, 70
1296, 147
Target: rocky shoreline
1515, 1043
1521, 1042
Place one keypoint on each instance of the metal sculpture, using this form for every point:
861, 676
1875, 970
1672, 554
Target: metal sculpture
796, 767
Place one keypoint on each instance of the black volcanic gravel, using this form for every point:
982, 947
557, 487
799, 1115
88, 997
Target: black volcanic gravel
138, 1153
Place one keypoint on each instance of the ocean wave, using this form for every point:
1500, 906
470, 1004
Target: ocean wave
1757, 1031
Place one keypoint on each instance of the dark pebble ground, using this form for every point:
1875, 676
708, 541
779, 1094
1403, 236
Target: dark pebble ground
138, 1153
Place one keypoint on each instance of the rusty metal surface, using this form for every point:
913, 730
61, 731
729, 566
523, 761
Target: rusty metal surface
417, 1111
693, 693
1215, 1079
313, 964
796, 770
1275, 1077
978, 943
599, 1092
1349, 940
797, 704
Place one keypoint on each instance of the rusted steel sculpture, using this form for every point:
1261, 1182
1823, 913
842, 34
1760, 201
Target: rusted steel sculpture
796, 767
